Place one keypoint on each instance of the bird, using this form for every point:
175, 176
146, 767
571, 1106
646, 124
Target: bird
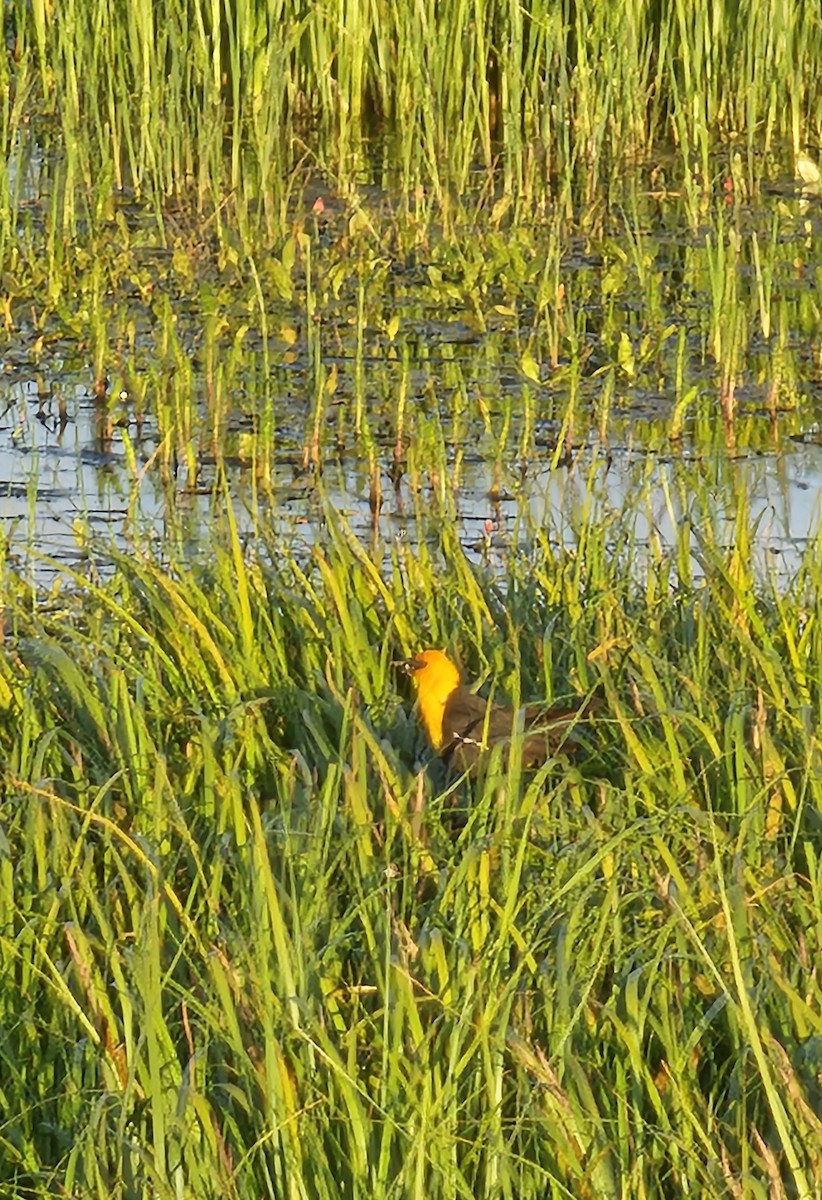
461, 726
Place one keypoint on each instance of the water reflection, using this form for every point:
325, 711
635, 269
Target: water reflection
65, 473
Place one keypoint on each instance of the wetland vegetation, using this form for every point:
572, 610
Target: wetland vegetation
334, 331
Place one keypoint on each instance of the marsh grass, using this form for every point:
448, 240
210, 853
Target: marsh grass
253, 942
249, 950
217, 106
542, 339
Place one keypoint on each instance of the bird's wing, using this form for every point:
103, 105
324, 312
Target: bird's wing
463, 716
540, 717
468, 728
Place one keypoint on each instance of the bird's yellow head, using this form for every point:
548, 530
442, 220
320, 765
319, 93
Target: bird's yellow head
435, 678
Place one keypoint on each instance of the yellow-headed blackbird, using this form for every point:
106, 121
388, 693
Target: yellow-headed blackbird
461, 725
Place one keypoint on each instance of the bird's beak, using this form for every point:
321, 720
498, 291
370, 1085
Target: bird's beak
408, 666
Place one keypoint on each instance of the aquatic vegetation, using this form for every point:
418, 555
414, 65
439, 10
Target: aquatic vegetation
258, 957
215, 103
333, 331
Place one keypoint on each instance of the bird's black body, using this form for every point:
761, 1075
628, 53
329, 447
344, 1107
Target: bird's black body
462, 726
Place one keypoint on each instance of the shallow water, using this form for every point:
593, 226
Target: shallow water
62, 487
647, 322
